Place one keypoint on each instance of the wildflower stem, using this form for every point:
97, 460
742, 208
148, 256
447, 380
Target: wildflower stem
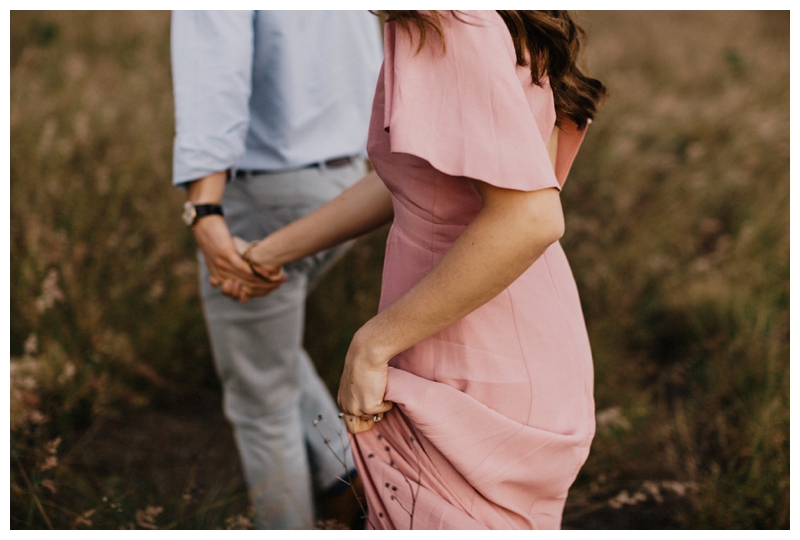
349, 481
419, 483
35, 498
404, 509
414, 495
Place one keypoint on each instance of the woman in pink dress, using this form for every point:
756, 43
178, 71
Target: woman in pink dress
469, 395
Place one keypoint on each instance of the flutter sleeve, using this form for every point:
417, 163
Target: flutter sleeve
466, 108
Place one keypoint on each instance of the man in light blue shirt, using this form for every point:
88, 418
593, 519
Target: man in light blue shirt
272, 110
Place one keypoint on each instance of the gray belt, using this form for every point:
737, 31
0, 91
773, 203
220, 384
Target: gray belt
330, 164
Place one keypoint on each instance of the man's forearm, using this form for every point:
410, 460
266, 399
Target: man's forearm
207, 190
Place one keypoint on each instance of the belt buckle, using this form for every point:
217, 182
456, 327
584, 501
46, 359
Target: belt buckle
339, 162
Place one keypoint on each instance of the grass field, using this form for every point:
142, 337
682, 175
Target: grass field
677, 215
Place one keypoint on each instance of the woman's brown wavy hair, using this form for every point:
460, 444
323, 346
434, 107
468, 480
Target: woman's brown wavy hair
547, 41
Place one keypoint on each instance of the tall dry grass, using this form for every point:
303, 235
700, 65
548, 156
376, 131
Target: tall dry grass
677, 230
105, 313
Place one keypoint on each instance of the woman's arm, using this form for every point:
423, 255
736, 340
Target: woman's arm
364, 206
510, 232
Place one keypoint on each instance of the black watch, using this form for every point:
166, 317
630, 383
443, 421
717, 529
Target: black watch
191, 212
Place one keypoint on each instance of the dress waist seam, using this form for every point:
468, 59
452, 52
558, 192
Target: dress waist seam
417, 243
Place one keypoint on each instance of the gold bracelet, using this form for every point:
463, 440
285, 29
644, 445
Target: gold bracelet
246, 257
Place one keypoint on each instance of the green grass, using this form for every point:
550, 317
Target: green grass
677, 214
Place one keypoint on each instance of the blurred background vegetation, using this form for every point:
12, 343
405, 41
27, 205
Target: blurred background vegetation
677, 217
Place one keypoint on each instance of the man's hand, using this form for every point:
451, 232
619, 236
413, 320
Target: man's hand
225, 264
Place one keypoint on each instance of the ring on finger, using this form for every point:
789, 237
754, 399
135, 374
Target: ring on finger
376, 418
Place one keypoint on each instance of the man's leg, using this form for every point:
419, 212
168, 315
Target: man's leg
272, 391
331, 461
256, 350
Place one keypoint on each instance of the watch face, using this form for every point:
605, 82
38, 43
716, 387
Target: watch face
189, 213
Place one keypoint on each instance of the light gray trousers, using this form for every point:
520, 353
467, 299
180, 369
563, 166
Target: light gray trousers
271, 391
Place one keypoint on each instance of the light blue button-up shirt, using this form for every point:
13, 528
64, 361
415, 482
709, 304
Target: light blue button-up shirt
271, 90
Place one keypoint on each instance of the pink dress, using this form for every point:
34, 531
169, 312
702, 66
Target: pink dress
494, 415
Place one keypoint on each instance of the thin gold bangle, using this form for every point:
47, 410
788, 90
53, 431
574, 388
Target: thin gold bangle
246, 257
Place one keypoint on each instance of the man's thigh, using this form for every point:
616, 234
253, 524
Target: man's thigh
256, 343
256, 346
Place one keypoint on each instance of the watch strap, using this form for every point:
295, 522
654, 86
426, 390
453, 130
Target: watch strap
203, 210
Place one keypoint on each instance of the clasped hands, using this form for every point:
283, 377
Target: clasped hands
267, 277
225, 259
